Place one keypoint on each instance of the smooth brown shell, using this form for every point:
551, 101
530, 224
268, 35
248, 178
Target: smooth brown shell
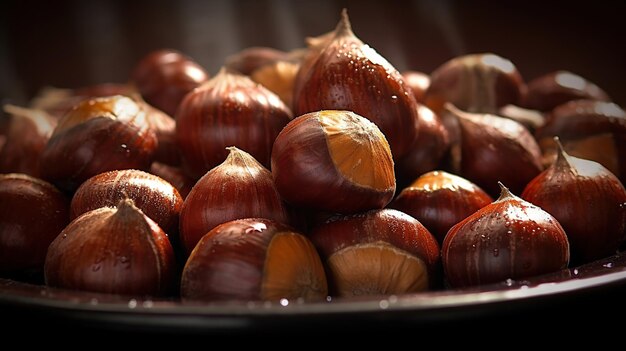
96, 136
112, 250
156, 198
587, 200
32, 213
240, 187
507, 239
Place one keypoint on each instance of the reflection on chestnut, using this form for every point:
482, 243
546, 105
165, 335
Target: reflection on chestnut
253, 259
555, 88
494, 149
116, 250
240, 187
418, 82
349, 75
335, 161
32, 213
98, 135
156, 198
508, 239
28, 133
478, 83
589, 129
228, 110
587, 200
376, 253
440, 200
164, 77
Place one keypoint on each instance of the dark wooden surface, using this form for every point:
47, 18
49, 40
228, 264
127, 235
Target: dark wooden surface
71, 43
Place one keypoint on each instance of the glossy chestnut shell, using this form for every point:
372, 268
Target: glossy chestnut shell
349, 75
440, 200
589, 129
587, 200
98, 135
335, 161
253, 259
550, 90
229, 110
156, 198
240, 187
478, 83
507, 239
32, 213
164, 77
115, 250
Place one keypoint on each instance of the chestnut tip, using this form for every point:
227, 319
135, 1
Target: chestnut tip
505, 193
344, 27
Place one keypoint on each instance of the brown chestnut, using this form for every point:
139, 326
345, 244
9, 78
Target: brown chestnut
116, 250
240, 187
32, 213
27, 136
349, 75
440, 200
278, 77
493, 149
229, 110
418, 82
429, 150
251, 59
587, 200
531, 119
175, 176
98, 135
253, 259
335, 161
555, 88
164, 77
156, 198
507, 239
478, 83
589, 129
378, 252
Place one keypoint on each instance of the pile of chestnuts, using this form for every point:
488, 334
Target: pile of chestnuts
307, 174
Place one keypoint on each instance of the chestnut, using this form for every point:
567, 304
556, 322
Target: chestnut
587, 200
493, 149
27, 135
335, 161
156, 198
251, 59
98, 135
478, 83
253, 259
440, 200
418, 82
116, 250
428, 151
378, 252
175, 176
228, 110
240, 187
550, 90
589, 129
349, 75
164, 77
531, 119
507, 239
32, 213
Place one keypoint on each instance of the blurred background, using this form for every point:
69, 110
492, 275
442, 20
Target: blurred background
72, 43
